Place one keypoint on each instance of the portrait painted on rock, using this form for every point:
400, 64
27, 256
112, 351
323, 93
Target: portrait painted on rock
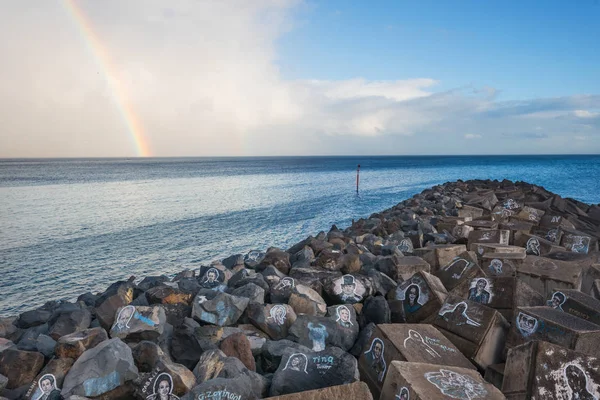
278, 314
254, 256
317, 333
48, 389
162, 388
414, 294
533, 247
481, 291
557, 300
577, 383
406, 246
123, 318
457, 314
580, 244
458, 267
374, 357
343, 317
526, 324
403, 394
297, 362
350, 289
416, 340
212, 278
285, 283
495, 266
456, 385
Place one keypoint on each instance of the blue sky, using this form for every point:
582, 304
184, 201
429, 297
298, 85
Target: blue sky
299, 77
525, 48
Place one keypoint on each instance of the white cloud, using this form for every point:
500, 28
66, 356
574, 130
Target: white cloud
207, 85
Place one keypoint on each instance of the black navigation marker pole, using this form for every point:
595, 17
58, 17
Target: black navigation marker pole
357, 174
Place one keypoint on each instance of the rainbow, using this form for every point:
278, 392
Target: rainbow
99, 52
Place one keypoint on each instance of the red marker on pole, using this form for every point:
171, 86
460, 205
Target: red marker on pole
357, 173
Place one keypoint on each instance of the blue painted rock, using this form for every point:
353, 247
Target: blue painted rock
100, 370
300, 371
138, 323
217, 308
339, 329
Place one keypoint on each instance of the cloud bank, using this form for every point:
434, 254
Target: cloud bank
203, 79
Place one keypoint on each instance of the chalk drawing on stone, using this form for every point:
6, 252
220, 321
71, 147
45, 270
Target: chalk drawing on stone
285, 283
403, 394
278, 313
48, 388
123, 318
211, 278
297, 362
458, 267
510, 204
557, 300
202, 299
414, 338
406, 246
533, 247
496, 266
457, 314
577, 381
526, 324
481, 291
163, 388
413, 294
486, 236
375, 359
545, 264
348, 289
552, 235
456, 385
317, 333
254, 256
580, 244
344, 318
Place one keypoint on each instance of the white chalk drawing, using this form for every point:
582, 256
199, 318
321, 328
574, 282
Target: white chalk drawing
202, 299
533, 247
297, 362
163, 388
455, 385
285, 283
278, 313
481, 291
403, 394
458, 267
406, 246
375, 359
555, 219
526, 324
123, 318
47, 385
458, 314
580, 244
348, 289
414, 294
552, 235
254, 256
577, 381
504, 237
557, 300
496, 266
211, 278
486, 236
414, 338
510, 204
317, 333
344, 318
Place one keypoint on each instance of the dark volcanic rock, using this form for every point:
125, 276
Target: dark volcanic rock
75, 344
250, 291
238, 345
347, 289
185, 347
304, 300
376, 310
339, 329
313, 370
277, 258
253, 258
139, 323
274, 350
69, 322
118, 295
162, 294
221, 309
152, 281
281, 291
273, 319
33, 318
58, 368
20, 367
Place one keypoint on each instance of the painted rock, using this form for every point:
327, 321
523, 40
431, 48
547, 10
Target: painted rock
50, 378
217, 308
214, 277
416, 298
541, 370
118, 295
419, 381
339, 329
281, 289
576, 303
100, 370
253, 258
501, 264
478, 331
273, 319
273, 351
139, 323
313, 370
500, 236
347, 289
461, 268
20, 367
535, 245
406, 342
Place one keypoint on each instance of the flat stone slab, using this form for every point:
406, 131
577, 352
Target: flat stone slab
352, 391
461, 268
554, 326
420, 381
406, 342
416, 298
478, 331
546, 274
440, 254
576, 303
499, 236
542, 370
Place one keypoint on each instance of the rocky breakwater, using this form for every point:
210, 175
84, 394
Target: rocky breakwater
468, 290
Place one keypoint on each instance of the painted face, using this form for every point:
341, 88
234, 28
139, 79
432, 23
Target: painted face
344, 315
556, 301
377, 350
295, 362
412, 295
481, 284
348, 289
125, 315
46, 386
211, 277
164, 387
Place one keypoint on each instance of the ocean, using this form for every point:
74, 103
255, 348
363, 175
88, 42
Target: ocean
68, 226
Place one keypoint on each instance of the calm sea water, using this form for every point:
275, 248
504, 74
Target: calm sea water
71, 226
